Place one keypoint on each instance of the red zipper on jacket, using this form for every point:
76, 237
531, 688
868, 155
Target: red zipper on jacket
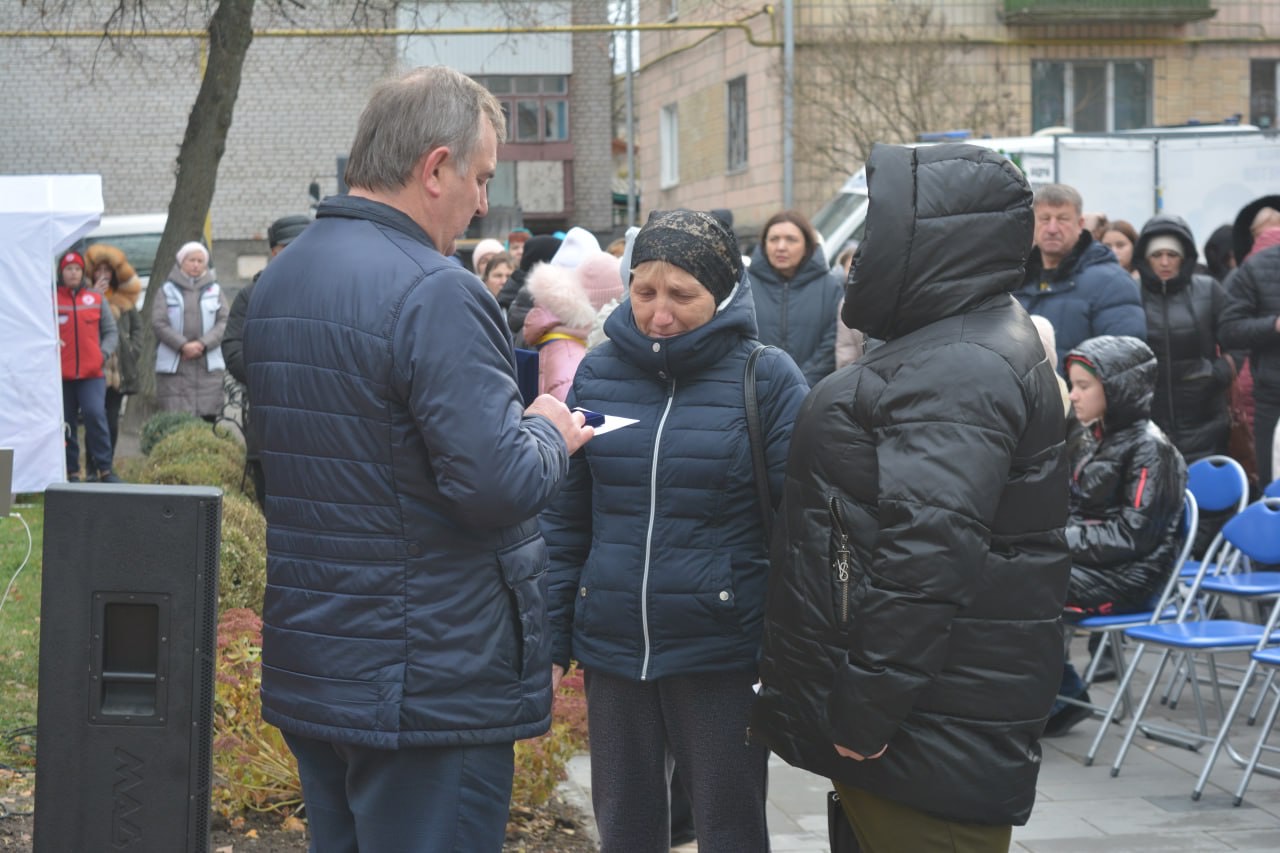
1142, 485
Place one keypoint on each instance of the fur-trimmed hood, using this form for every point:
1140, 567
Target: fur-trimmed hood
125, 291
557, 290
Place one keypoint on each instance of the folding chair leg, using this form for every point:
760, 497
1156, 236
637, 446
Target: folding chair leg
1262, 697
1224, 729
1152, 685
1263, 734
1122, 695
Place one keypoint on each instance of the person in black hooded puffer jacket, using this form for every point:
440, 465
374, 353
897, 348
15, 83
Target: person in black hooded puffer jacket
1183, 308
919, 562
1126, 494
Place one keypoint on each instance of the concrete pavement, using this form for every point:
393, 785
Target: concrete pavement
1148, 807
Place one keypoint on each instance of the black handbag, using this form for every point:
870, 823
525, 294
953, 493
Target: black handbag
839, 830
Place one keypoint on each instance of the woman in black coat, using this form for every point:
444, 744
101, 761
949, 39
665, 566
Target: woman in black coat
919, 564
1183, 308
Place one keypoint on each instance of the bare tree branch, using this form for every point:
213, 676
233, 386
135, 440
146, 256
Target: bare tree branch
887, 74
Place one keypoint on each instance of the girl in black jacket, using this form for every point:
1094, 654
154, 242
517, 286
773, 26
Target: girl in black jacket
1126, 494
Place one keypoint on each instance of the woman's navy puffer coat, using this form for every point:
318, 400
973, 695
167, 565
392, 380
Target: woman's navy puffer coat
658, 562
938, 462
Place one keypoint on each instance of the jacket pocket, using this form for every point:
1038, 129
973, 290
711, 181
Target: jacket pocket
524, 571
840, 561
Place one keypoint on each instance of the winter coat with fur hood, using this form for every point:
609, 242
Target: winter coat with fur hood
919, 562
1192, 377
557, 326
1127, 487
121, 369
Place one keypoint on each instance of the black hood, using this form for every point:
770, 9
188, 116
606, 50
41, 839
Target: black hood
948, 227
1242, 230
1126, 367
1172, 226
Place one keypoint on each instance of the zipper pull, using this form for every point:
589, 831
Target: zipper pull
842, 562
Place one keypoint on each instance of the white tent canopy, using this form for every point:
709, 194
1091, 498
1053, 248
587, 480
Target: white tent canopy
40, 216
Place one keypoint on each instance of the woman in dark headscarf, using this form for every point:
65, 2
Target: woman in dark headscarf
658, 559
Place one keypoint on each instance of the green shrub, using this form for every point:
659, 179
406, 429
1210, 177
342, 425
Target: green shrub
194, 455
243, 577
253, 767
161, 425
540, 762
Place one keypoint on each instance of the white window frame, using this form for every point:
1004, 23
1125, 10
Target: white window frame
669, 146
1069, 81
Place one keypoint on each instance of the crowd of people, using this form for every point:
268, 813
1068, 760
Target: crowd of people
845, 519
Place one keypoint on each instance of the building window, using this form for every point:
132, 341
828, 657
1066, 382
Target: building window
1262, 92
536, 107
1091, 97
736, 122
669, 145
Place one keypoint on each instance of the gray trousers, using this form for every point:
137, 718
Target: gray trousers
639, 730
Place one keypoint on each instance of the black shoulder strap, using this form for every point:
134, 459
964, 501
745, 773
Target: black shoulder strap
756, 437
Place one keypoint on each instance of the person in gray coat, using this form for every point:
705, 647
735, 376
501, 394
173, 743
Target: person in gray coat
189, 321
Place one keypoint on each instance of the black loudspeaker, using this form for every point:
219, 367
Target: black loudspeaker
128, 625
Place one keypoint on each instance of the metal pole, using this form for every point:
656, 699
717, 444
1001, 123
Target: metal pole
788, 102
631, 125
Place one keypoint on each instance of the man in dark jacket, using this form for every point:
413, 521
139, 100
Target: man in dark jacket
1074, 281
279, 234
1251, 321
404, 632
913, 639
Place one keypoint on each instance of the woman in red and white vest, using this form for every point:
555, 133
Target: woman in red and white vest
87, 333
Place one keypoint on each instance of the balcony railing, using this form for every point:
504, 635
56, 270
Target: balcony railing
1040, 12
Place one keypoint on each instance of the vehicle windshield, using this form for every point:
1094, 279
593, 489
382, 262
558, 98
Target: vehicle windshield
139, 249
827, 220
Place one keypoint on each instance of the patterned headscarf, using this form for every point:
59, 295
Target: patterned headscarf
694, 241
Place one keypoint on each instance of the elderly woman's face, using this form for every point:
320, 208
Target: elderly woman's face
667, 301
194, 264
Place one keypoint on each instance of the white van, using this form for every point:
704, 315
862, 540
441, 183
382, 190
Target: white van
137, 235
844, 217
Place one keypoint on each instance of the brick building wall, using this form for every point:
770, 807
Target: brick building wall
1199, 70
591, 120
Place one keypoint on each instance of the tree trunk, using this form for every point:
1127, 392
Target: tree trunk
230, 33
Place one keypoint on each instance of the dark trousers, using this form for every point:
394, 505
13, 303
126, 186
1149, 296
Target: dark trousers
418, 800
1265, 415
883, 826
113, 401
86, 399
640, 730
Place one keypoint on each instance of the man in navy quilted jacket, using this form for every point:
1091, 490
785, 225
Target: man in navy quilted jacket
405, 645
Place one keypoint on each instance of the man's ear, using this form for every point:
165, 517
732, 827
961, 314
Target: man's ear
429, 168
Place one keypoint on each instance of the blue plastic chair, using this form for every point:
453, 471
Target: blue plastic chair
1253, 534
1269, 657
1273, 490
1219, 483
1163, 611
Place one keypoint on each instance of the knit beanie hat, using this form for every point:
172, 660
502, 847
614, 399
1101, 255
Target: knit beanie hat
694, 241
1166, 242
600, 278
578, 244
188, 248
68, 259
486, 247
540, 248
